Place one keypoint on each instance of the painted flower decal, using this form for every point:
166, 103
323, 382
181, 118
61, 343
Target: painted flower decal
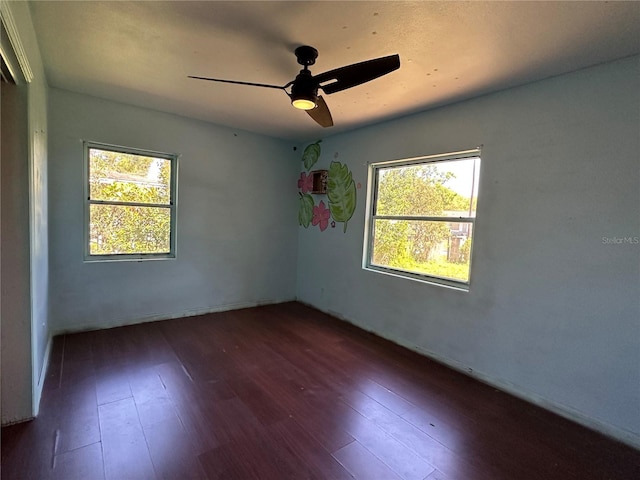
321, 216
305, 183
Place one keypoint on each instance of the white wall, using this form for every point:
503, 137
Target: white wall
38, 222
14, 248
236, 221
24, 249
553, 313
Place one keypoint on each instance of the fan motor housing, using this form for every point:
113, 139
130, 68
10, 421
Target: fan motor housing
306, 55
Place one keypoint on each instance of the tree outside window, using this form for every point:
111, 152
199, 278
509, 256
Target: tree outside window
422, 214
130, 203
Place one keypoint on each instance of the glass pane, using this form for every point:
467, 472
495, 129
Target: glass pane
120, 229
125, 177
436, 189
437, 249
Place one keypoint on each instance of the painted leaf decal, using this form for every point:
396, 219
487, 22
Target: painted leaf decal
341, 192
311, 154
305, 211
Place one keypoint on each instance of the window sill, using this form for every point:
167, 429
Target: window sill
127, 258
439, 282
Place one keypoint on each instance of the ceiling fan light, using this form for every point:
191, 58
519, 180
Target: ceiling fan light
304, 103
304, 91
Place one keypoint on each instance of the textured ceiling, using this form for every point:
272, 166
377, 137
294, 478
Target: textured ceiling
141, 53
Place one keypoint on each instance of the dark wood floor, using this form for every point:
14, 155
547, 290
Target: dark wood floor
284, 392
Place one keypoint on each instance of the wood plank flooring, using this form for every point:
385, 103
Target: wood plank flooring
284, 392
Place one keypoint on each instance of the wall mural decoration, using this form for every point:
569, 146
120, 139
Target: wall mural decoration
305, 210
340, 191
321, 216
311, 155
305, 183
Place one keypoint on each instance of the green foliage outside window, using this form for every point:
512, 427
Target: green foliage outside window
130, 203
430, 247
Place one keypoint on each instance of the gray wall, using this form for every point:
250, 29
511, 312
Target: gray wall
236, 235
14, 248
553, 313
24, 249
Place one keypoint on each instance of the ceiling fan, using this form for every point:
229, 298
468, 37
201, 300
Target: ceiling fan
304, 88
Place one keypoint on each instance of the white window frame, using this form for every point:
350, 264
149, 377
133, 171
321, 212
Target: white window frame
172, 206
371, 216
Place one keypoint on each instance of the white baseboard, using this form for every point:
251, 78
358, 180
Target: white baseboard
565, 411
15, 421
170, 316
627, 437
36, 389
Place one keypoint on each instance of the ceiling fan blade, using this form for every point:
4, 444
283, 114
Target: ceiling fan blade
321, 113
239, 83
357, 74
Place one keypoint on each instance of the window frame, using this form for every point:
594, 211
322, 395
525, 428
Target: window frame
172, 206
371, 216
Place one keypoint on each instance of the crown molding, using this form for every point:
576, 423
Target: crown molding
14, 38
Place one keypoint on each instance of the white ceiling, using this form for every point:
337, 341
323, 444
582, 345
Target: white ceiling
140, 53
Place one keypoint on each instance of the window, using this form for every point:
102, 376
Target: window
421, 216
130, 208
